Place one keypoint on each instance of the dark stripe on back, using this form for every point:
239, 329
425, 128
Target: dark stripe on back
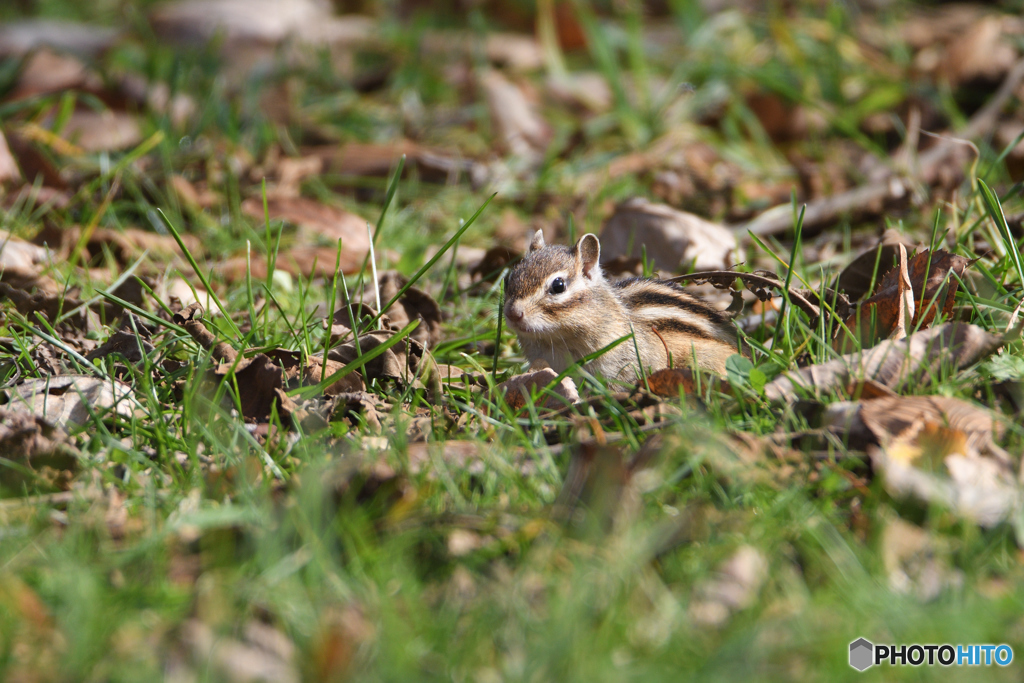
644, 296
673, 325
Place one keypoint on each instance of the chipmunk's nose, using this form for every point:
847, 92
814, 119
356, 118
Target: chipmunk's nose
514, 313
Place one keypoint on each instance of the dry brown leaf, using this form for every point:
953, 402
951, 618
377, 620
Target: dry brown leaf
339, 637
47, 71
521, 130
856, 279
289, 174
380, 159
22, 263
313, 370
35, 165
978, 488
34, 442
734, 587
920, 357
124, 343
69, 399
784, 121
904, 298
904, 293
9, 172
263, 378
21, 37
515, 51
317, 222
367, 406
395, 363
297, 261
672, 238
102, 131
985, 51
905, 417
668, 382
126, 245
193, 196
516, 390
247, 21
587, 90
415, 304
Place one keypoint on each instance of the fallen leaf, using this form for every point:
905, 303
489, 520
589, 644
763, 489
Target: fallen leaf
734, 587
857, 278
125, 343
521, 129
22, 264
244, 21
289, 174
34, 442
668, 382
47, 72
397, 363
318, 222
36, 165
587, 90
102, 131
516, 390
904, 417
126, 245
415, 304
193, 196
339, 636
464, 456
514, 51
904, 300
22, 36
975, 487
985, 51
9, 172
380, 159
70, 399
671, 239
920, 357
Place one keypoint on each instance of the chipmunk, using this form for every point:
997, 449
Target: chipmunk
562, 308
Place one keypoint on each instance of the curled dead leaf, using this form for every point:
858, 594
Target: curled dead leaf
415, 304
517, 390
920, 357
910, 296
70, 399
670, 238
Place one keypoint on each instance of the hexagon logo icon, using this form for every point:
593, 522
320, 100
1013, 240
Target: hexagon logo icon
861, 654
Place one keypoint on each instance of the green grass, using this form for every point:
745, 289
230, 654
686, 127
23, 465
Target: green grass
379, 565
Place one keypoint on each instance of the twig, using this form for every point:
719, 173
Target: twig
893, 186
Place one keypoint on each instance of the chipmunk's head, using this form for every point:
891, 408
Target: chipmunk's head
543, 291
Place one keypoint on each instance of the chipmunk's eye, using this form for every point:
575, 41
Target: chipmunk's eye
557, 285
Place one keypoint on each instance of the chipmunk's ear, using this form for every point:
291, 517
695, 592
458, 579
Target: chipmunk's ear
537, 242
589, 251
